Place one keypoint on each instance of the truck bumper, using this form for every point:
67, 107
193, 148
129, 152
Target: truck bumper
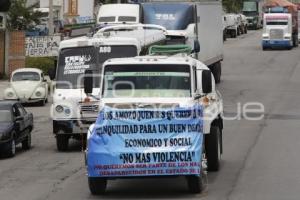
72, 127
277, 43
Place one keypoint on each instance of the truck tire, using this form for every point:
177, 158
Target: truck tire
26, 144
62, 142
233, 34
97, 185
216, 70
195, 184
213, 149
295, 41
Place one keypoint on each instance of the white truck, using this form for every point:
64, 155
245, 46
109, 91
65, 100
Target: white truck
152, 83
278, 31
187, 21
232, 25
80, 54
114, 14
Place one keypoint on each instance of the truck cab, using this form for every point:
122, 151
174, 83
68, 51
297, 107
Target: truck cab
153, 83
277, 30
114, 14
253, 10
89, 53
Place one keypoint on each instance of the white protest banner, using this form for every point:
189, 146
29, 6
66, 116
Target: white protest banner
42, 46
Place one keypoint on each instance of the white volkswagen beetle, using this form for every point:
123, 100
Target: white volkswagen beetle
27, 85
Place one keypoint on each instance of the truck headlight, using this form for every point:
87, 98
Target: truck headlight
67, 111
59, 109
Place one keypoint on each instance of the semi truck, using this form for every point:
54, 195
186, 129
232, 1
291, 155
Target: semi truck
187, 21
147, 124
79, 54
280, 25
253, 10
182, 21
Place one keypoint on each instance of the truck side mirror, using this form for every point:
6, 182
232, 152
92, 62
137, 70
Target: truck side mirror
88, 81
196, 46
206, 81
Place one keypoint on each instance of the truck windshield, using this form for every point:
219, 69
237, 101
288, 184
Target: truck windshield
250, 6
73, 62
277, 23
146, 81
26, 76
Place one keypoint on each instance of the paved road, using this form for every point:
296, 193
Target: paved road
261, 159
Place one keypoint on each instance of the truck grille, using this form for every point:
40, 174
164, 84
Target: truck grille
89, 108
276, 34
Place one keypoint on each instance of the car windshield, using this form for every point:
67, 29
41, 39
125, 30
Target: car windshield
147, 81
26, 76
73, 62
5, 116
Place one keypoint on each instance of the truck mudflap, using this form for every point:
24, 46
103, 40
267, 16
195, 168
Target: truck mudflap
145, 142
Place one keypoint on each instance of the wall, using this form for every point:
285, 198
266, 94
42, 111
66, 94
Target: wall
2, 45
16, 50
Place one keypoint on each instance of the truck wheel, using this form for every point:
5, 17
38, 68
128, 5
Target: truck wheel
11, 149
62, 142
295, 41
26, 144
233, 34
216, 69
195, 184
212, 147
97, 185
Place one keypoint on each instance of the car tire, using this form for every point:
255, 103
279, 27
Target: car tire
97, 185
26, 144
11, 148
213, 149
62, 142
42, 102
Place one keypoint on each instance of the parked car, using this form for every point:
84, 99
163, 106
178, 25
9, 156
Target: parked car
27, 85
16, 125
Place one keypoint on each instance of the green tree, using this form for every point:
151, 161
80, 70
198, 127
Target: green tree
21, 17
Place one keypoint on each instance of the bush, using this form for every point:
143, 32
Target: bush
42, 63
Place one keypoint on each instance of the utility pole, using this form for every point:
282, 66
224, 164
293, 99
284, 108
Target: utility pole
50, 22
